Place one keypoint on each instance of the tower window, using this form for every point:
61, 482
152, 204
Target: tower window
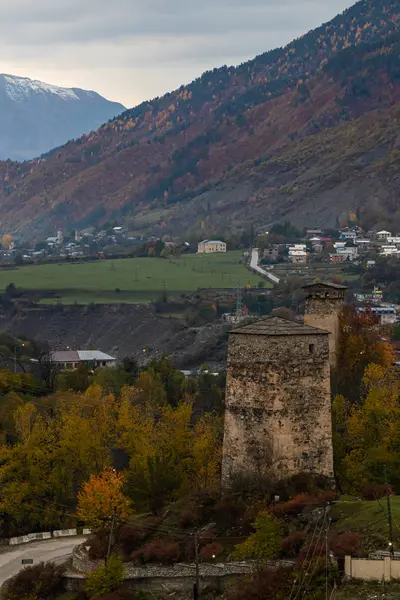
311, 348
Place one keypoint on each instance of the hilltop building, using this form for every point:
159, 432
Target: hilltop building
278, 401
278, 418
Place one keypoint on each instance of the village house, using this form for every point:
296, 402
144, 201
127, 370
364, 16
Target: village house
298, 254
337, 258
389, 251
382, 236
387, 315
348, 234
70, 360
210, 246
313, 233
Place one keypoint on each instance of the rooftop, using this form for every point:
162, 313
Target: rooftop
328, 284
275, 326
66, 356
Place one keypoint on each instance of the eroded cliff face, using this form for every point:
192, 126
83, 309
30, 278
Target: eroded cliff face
278, 406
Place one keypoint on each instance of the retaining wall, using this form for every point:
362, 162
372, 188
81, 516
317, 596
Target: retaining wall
368, 569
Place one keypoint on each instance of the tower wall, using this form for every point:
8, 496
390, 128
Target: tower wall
322, 310
278, 406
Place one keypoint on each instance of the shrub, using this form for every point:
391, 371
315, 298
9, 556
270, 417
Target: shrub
377, 491
188, 518
273, 584
98, 545
292, 544
302, 483
132, 535
346, 543
106, 578
264, 543
296, 505
228, 511
211, 551
311, 553
40, 582
158, 551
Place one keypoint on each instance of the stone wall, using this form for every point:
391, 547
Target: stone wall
278, 406
168, 580
322, 310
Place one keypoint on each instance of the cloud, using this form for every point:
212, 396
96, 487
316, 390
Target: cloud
131, 50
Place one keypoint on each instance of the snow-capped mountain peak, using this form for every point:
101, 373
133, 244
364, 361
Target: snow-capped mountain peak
36, 117
20, 88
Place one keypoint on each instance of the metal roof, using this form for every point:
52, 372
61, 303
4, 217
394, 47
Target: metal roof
328, 284
65, 356
88, 355
70, 356
273, 326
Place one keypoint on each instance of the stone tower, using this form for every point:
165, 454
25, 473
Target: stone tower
278, 401
324, 303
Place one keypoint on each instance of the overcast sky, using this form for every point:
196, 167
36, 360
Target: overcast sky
133, 50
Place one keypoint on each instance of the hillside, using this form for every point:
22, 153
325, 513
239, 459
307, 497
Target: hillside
301, 132
36, 116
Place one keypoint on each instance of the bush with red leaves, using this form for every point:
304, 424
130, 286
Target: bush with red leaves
377, 491
296, 505
211, 551
292, 544
158, 551
346, 543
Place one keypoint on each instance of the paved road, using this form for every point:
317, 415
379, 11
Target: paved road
57, 551
254, 265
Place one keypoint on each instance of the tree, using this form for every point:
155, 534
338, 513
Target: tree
106, 578
101, 500
264, 543
372, 432
7, 241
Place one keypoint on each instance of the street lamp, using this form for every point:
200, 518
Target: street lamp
15, 355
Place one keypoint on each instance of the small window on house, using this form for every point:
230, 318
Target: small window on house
311, 348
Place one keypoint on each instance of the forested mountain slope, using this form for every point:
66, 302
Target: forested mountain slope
294, 132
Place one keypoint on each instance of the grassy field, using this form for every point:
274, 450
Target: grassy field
366, 516
138, 280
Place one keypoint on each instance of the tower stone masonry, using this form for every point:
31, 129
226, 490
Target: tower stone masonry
324, 303
278, 401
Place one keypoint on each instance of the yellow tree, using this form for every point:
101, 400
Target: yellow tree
7, 240
101, 502
373, 430
207, 453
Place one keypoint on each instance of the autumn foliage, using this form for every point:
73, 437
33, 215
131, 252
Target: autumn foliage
101, 500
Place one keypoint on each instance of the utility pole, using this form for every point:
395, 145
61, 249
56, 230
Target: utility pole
389, 508
326, 564
110, 537
196, 587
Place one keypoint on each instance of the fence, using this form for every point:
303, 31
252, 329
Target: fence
46, 535
368, 569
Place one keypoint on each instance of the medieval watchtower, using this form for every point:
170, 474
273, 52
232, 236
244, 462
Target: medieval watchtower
324, 303
278, 404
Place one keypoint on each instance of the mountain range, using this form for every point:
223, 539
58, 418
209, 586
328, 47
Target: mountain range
307, 132
36, 116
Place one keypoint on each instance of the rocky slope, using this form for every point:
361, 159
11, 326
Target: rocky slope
36, 117
302, 132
